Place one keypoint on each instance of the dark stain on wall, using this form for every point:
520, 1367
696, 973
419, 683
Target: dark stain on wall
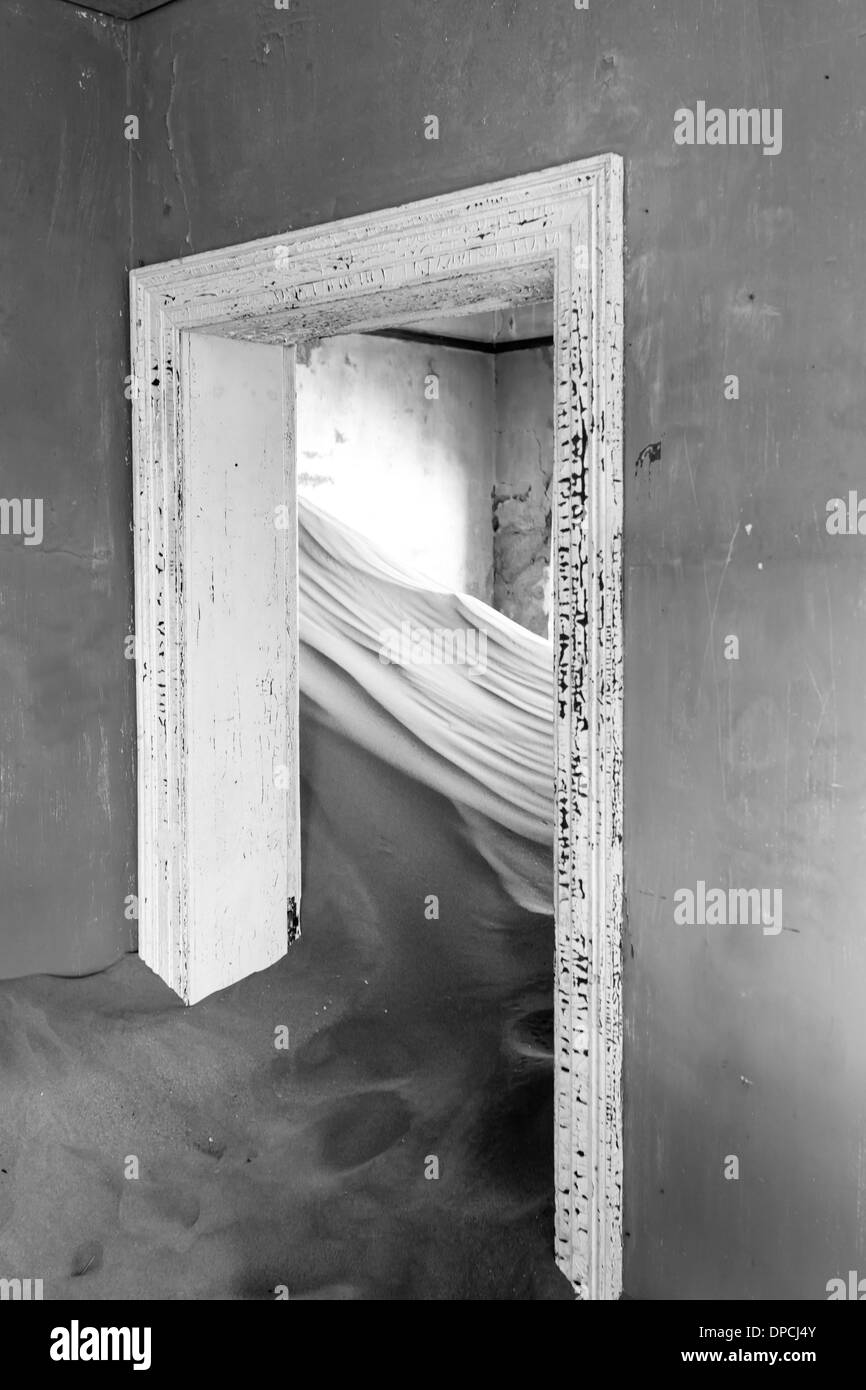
649, 455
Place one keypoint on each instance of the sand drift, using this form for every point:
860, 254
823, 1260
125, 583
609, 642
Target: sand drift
440, 686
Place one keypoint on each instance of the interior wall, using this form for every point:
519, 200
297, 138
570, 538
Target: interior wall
522, 489
67, 720
443, 457
748, 771
397, 438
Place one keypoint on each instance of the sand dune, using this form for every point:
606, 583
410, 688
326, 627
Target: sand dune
479, 731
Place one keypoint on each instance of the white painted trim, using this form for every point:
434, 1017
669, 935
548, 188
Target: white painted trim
559, 231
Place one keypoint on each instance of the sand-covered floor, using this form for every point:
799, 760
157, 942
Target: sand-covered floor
302, 1167
401, 1145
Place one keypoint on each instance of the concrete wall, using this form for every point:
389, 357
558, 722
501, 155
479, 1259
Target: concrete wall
67, 721
413, 473
750, 772
522, 490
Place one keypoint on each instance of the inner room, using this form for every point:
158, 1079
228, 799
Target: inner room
425, 460
435, 440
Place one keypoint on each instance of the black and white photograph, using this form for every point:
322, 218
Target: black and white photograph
432, 668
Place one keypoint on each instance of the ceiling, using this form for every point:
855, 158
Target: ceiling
121, 9
523, 323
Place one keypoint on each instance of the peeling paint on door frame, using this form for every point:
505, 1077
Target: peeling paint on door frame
554, 234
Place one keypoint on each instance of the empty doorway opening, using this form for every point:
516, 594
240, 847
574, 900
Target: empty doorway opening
425, 464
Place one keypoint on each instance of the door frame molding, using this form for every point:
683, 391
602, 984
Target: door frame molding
558, 234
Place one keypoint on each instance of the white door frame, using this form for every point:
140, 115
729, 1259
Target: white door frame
554, 234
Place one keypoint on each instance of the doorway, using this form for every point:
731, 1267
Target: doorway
213, 370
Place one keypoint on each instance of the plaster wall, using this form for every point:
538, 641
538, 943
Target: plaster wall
67, 691
747, 772
410, 469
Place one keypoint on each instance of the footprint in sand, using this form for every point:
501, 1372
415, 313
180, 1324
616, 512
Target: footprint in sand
87, 1259
352, 1048
531, 1036
360, 1127
163, 1212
